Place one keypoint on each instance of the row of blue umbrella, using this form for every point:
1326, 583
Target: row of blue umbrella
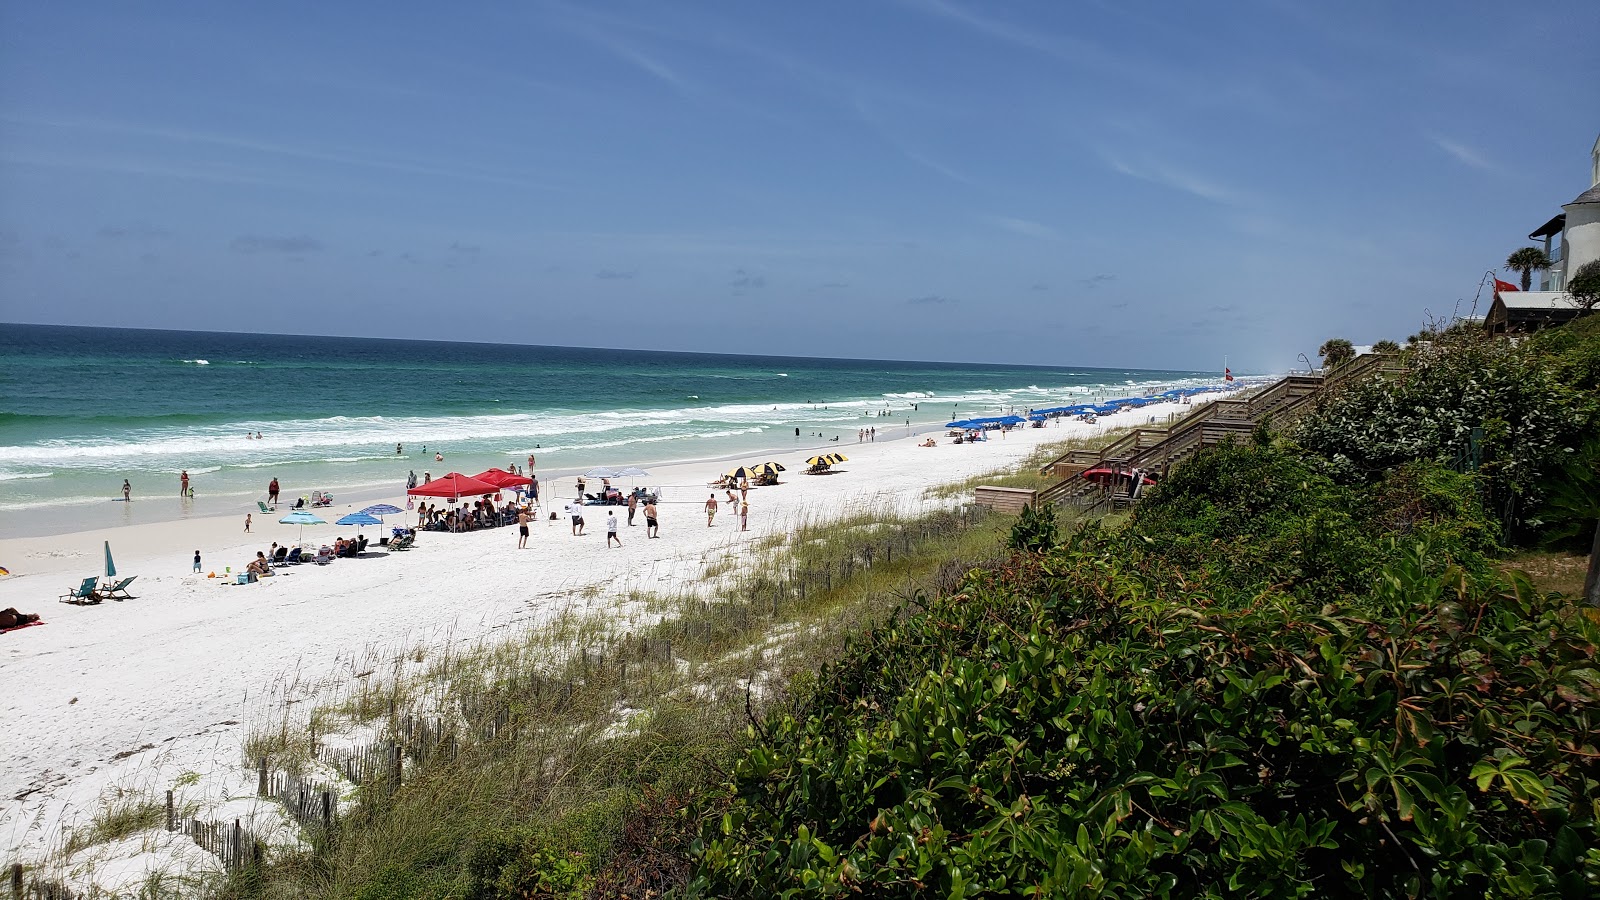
1111, 406
986, 421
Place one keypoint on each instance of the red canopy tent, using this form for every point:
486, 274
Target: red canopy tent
455, 486
502, 478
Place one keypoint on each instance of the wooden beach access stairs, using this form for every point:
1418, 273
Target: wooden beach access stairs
1156, 450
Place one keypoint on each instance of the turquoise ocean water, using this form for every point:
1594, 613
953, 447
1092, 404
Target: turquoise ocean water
81, 409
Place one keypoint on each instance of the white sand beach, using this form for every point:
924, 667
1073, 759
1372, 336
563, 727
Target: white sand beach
150, 693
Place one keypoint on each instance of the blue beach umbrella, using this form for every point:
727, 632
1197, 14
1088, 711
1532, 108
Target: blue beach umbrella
302, 518
382, 509
111, 567
359, 518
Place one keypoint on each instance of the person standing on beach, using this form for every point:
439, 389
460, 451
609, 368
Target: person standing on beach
522, 529
744, 516
183, 483
246, 523
633, 506
197, 560
272, 492
711, 509
127, 490
533, 486
411, 480
611, 529
651, 528
575, 513
530, 462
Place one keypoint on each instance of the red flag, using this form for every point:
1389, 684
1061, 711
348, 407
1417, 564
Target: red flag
1504, 286
1227, 374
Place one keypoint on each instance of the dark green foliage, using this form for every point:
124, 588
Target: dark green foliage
1091, 724
1247, 514
1529, 420
1428, 502
1336, 352
1386, 346
1572, 503
1035, 530
1584, 285
1571, 353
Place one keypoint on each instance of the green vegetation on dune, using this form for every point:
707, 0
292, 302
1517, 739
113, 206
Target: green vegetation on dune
1107, 719
1303, 665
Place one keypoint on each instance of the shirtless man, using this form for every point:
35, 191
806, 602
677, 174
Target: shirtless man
711, 509
523, 518
651, 528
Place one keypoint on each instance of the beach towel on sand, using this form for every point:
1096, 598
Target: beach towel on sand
22, 626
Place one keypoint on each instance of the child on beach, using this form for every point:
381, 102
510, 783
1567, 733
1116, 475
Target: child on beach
197, 560
611, 529
246, 523
744, 516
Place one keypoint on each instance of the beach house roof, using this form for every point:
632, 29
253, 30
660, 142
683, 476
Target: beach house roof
1518, 311
1552, 227
1537, 300
1592, 195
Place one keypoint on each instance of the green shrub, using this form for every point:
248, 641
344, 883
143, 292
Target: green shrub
1035, 529
1087, 725
1529, 418
1246, 514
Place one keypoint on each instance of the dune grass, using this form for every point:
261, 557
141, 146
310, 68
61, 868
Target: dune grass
562, 760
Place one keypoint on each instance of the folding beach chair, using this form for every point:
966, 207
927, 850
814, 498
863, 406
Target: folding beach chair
119, 591
84, 594
265, 508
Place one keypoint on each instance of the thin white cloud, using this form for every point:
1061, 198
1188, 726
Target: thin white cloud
1157, 172
1467, 156
336, 156
1024, 227
639, 60
870, 117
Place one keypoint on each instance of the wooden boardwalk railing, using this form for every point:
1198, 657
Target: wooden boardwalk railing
1157, 450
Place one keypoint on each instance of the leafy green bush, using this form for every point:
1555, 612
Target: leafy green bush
1085, 724
1246, 514
1035, 529
1529, 419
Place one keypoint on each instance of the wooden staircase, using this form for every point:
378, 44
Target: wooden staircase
1157, 450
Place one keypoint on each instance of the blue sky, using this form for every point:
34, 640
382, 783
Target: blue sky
1150, 184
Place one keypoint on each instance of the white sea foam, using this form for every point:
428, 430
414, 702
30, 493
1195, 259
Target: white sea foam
344, 438
198, 362
23, 476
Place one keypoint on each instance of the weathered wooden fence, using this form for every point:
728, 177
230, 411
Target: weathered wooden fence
238, 847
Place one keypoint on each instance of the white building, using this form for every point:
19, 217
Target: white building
1572, 238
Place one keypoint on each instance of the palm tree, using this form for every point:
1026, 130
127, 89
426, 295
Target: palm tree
1386, 346
1335, 352
1527, 260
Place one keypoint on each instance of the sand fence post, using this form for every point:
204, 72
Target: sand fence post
171, 823
261, 777
16, 881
